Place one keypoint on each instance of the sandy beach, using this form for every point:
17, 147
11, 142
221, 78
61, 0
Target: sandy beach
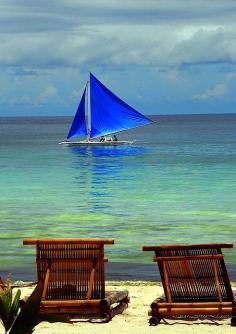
135, 318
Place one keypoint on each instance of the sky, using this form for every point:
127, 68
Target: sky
161, 57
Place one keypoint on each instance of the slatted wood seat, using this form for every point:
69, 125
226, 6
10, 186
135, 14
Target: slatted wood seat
74, 277
195, 282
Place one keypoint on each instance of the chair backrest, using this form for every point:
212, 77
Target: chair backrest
74, 268
193, 273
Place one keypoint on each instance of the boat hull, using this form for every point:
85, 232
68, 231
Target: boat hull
97, 143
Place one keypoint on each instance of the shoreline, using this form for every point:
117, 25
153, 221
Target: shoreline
115, 271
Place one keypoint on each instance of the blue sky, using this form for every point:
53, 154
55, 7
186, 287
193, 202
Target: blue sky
161, 57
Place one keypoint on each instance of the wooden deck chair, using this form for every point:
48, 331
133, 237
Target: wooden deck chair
74, 278
2, 285
195, 282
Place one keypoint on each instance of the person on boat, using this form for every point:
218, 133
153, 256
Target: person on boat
114, 138
102, 139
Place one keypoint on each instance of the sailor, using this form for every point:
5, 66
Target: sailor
114, 138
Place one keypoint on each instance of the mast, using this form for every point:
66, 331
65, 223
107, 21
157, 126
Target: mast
88, 111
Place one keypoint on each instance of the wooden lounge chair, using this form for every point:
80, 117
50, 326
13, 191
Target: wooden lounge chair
2, 285
74, 278
195, 282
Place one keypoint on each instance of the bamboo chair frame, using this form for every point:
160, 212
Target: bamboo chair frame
195, 282
73, 275
2, 285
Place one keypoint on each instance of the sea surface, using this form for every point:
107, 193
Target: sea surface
176, 184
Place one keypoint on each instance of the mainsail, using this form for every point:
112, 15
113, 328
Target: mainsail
78, 126
109, 114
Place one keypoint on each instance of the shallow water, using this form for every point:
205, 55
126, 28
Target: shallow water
175, 185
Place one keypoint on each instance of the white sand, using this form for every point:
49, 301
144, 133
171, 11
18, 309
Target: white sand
134, 320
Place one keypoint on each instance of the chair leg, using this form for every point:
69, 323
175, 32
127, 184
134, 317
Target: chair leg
233, 320
154, 321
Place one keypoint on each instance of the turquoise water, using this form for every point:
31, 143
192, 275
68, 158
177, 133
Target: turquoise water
175, 185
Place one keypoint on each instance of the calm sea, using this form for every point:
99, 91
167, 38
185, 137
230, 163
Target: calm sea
175, 185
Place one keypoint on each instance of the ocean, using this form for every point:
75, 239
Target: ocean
176, 184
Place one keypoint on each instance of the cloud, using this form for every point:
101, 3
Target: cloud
51, 34
50, 94
173, 75
216, 93
231, 75
167, 43
24, 100
219, 91
120, 45
27, 15
76, 94
22, 71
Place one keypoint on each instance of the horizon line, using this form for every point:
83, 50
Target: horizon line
150, 115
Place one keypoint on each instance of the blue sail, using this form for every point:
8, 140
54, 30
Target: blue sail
78, 126
109, 114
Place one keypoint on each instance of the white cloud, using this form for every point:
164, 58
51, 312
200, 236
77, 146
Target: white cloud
76, 94
45, 41
216, 93
231, 76
149, 45
28, 15
25, 99
19, 100
70, 33
49, 94
219, 91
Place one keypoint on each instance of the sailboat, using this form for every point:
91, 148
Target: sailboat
100, 115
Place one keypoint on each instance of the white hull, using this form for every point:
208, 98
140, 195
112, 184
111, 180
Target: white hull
96, 143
